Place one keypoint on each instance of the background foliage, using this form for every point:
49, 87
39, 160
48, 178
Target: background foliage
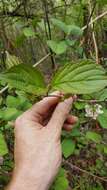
48, 34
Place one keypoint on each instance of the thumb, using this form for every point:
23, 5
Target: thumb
60, 115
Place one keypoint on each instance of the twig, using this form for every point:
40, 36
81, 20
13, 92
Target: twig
93, 36
90, 101
78, 99
94, 20
46, 11
41, 60
4, 89
96, 48
72, 166
91, 13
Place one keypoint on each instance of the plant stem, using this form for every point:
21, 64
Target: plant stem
72, 166
49, 36
94, 20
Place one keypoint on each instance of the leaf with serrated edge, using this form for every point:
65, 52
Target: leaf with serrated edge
84, 77
24, 77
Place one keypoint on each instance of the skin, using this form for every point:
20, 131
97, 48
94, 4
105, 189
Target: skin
38, 152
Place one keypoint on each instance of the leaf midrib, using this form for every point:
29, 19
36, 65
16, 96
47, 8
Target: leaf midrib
79, 81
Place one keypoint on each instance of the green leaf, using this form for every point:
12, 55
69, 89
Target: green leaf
62, 173
8, 114
102, 119
12, 102
68, 147
75, 132
61, 182
3, 146
79, 105
25, 78
68, 29
20, 103
70, 42
75, 30
57, 47
84, 77
61, 25
93, 136
28, 32
102, 95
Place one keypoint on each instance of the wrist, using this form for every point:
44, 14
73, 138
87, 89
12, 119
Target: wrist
27, 181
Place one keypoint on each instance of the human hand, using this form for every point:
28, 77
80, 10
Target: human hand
37, 143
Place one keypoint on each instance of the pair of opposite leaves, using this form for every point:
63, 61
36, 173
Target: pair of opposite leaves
84, 77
